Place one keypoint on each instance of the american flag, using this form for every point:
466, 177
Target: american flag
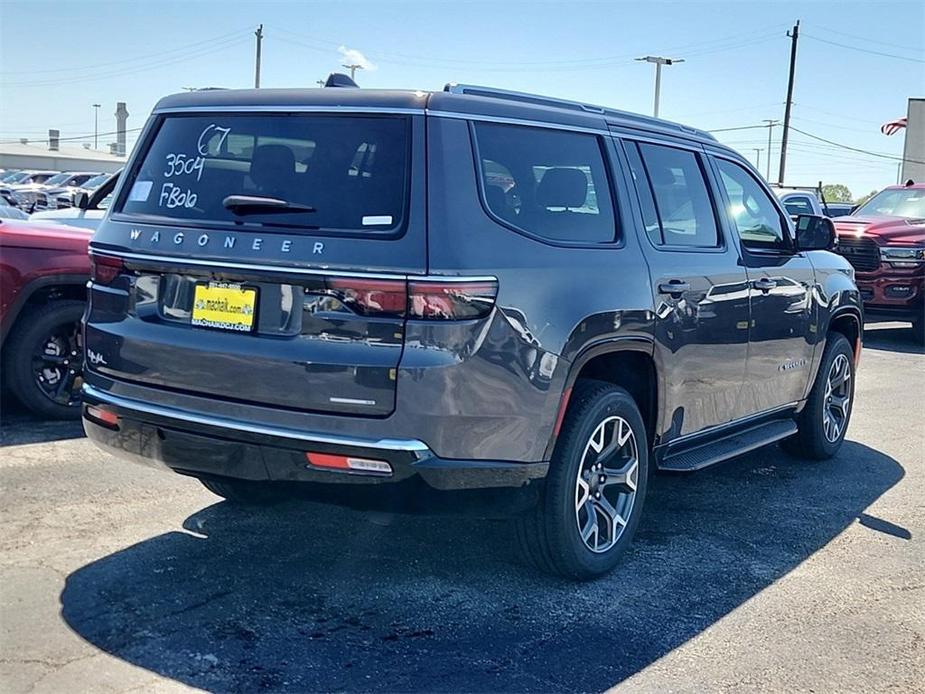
893, 127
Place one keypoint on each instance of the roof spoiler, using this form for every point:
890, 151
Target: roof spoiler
339, 79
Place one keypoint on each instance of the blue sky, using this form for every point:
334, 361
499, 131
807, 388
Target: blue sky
858, 62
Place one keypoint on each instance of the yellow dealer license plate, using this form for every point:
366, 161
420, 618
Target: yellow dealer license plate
225, 306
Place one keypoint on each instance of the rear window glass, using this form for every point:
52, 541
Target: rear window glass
546, 182
344, 173
798, 204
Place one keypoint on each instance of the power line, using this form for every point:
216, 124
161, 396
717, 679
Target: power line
741, 127
159, 54
867, 39
69, 139
133, 70
864, 50
697, 48
857, 149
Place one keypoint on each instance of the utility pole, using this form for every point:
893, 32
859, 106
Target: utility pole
659, 61
771, 123
259, 35
353, 67
794, 36
758, 151
96, 126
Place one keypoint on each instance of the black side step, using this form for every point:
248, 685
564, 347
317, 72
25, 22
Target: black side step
689, 459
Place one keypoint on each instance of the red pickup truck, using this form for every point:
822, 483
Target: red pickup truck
44, 270
884, 240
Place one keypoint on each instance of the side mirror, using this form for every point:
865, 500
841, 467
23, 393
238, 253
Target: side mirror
815, 233
81, 200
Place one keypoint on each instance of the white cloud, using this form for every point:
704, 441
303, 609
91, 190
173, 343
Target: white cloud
351, 56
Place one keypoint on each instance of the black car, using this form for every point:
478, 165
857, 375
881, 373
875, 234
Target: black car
371, 292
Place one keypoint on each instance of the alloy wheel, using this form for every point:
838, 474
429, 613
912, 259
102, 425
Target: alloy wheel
837, 398
57, 367
605, 488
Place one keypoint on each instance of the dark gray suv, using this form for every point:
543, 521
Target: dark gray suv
458, 290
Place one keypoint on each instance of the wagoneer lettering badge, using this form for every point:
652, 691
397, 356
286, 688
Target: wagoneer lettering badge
229, 241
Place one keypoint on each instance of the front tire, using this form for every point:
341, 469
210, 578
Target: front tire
824, 420
594, 492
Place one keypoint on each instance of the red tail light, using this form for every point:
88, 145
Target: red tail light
104, 269
371, 297
451, 300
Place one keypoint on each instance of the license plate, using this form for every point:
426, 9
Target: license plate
225, 306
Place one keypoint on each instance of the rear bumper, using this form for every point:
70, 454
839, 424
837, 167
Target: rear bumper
207, 445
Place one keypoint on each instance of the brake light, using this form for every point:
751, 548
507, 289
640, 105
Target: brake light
370, 297
451, 300
105, 268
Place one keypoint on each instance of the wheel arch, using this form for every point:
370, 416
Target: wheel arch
627, 362
41, 290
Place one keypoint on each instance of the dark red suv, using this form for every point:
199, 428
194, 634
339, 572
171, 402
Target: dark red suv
884, 240
43, 276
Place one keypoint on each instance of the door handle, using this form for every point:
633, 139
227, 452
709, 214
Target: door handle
674, 288
764, 284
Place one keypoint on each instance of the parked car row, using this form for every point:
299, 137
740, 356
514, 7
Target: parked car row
42, 190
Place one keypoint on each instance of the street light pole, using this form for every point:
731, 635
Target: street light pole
771, 123
659, 61
96, 126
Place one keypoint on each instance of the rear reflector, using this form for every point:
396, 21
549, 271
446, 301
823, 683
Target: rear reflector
451, 300
104, 269
343, 462
102, 416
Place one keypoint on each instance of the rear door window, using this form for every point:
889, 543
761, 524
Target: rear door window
340, 173
549, 183
682, 199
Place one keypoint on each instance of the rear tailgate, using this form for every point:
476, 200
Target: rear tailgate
301, 307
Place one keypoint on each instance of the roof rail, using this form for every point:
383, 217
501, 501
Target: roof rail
476, 90
553, 102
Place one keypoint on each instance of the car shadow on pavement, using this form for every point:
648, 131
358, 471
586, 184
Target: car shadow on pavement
891, 337
18, 426
308, 597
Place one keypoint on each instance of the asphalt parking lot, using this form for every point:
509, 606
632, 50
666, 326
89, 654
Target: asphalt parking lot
765, 573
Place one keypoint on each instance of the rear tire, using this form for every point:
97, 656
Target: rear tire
824, 420
51, 330
594, 492
245, 492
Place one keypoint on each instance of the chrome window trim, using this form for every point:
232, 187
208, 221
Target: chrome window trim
288, 109
415, 446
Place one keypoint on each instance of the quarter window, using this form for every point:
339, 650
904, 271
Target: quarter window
549, 183
754, 215
682, 200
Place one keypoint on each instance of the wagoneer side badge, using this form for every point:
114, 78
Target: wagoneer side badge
227, 241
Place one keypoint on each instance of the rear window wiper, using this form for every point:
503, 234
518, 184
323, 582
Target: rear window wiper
258, 204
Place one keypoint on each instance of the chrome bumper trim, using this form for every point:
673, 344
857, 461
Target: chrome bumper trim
414, 446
